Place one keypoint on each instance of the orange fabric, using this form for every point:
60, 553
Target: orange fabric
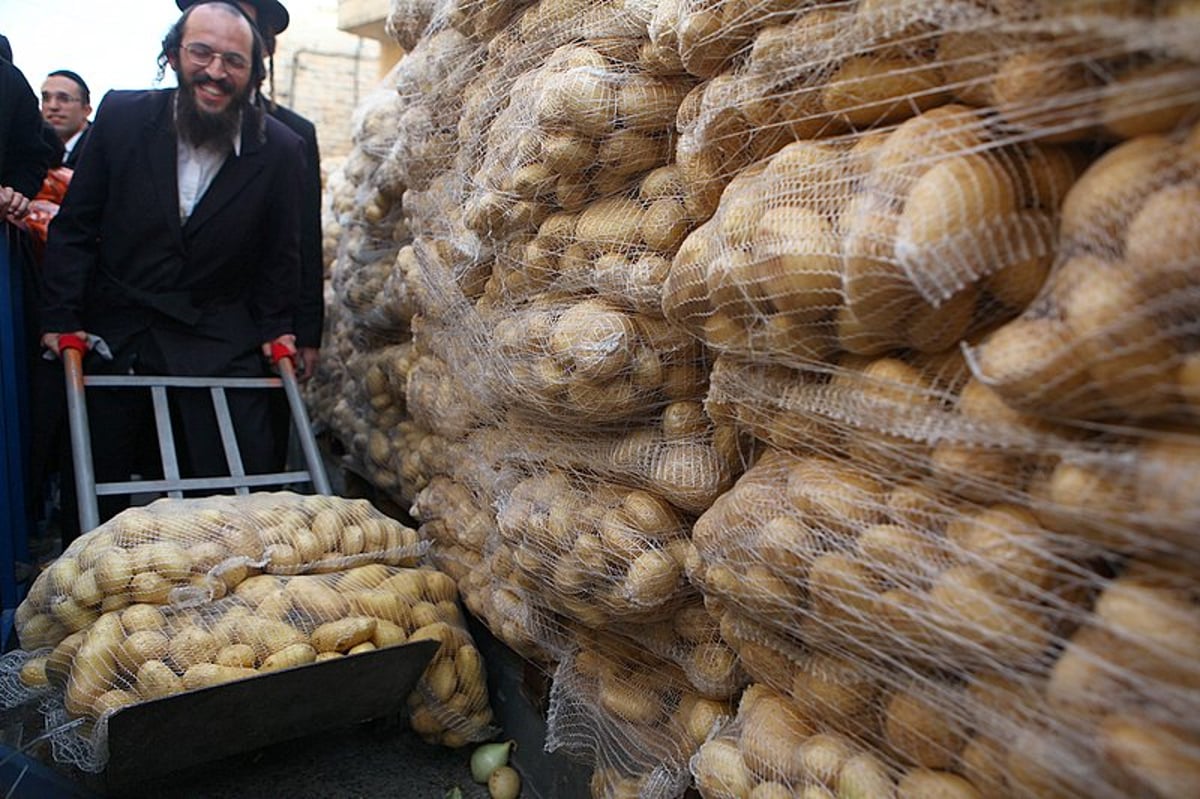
45, 205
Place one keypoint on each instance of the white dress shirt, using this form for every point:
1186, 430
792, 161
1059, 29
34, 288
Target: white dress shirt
197, 166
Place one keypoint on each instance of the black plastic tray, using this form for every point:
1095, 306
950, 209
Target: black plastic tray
164, 735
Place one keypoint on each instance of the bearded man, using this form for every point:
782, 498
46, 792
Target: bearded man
178, 245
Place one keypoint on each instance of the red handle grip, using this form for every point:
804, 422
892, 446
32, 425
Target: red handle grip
280, 351
70, 341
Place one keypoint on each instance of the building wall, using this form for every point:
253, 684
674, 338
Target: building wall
322, 72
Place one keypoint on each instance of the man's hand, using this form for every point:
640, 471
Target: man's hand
51, 340
306, 363
287, 341
13, 204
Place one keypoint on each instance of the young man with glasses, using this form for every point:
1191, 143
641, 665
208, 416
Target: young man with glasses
178, 245
66, 106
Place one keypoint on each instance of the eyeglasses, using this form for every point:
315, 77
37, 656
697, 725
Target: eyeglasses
62, 98
203, 55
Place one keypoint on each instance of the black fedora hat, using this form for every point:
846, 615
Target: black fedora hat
272, 16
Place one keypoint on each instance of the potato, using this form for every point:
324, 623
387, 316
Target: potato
965, 608
798, 266
1152, 98
1100, 204
863, 777
150, 587
33, 673
1030, 362
69, 613
626, 700
202, 675
923, 141
593, 340
835, 690
611, 224
624, 153
112, 701
922, 732
565, 153
192, 645
1125, 352
314, 596
664, 225
653, 577
933, 330
58, 662
1161, 758
867, 90
720, 771
155, 680
343, 634
772, 732
1158, 630
141, 646
1161, 243
822, 756
114, 570
171, 561
928, 784
291, 655
1026, 81
953, 196
236, 655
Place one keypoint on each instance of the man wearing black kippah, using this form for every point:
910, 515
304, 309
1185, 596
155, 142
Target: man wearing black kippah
66, 105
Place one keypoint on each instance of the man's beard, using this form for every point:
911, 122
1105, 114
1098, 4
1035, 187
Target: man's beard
202, 127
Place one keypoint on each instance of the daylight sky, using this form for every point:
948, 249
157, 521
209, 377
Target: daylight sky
113, 44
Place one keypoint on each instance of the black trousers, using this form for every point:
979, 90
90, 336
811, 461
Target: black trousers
124, 437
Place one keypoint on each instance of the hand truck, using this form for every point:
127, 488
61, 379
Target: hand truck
173, 485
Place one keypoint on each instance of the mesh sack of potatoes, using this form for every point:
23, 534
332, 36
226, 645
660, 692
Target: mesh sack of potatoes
824, 551
331, 228
267, 622
597, 552
678, 455
926, 422
580, 126
826, 70
369, 277
195, 550
631, 716
902, 415
408, 20
705, 36
852, 244
518, 617
1113, 334
370, 407
571, 359
1107, 713
618, 248
431, 80
439, 399
692, 641
1051, 71
1083, 69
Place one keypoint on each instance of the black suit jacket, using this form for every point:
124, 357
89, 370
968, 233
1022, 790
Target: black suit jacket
310, 310
119, 263
25, 154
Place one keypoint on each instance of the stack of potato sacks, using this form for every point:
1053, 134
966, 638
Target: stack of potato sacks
185, 594
926, 272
